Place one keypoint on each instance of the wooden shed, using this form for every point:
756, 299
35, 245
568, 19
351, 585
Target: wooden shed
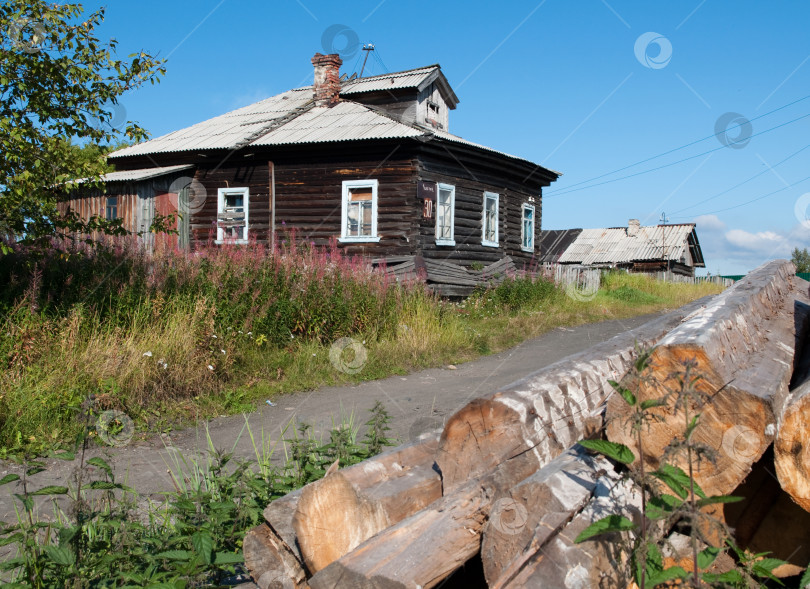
368, 162
673, 248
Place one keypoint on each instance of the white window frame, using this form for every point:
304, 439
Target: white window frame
245, 192
344, 215
452, 190
527, 207
484, 240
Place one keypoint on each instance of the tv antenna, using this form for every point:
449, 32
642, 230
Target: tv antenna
368, 48
664, 219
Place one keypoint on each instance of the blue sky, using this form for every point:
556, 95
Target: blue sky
585, 88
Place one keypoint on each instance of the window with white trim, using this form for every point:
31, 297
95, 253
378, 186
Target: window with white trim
490, 220
359, 211
445, 214
232, 214
527, 228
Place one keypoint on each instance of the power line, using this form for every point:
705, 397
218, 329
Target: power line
378, 58
638, 163
691, 157
742, 204
757, 175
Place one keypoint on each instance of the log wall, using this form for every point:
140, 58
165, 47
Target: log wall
471, 181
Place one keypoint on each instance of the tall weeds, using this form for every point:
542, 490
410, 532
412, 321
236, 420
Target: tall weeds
174, 336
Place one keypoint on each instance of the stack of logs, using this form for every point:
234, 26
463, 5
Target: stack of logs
504, 489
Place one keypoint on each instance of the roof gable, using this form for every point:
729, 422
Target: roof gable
417, 79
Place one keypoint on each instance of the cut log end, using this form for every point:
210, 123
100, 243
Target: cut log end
469, 437
332, 519
270, 563
792, 451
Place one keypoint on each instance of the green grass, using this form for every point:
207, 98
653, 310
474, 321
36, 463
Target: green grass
100, 536
176, 339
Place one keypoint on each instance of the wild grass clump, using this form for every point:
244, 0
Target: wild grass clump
515, 293
173, 337
143, 333
101, 533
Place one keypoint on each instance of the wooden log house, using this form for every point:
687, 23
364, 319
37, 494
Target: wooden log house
368, 162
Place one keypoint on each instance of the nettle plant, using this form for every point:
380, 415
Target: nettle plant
671, 498
100, 535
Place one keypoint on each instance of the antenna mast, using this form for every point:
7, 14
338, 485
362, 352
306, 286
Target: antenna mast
368, 48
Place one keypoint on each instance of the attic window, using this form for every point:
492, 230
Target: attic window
433, 114
232, 215
359, 211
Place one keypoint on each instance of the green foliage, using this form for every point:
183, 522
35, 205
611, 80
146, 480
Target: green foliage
801, 259
515, 293
631, 295
618, 452
194, 538
669, 512
172, 337
59, 83
606, 525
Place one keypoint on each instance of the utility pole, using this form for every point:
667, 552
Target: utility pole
368, 48
663, 221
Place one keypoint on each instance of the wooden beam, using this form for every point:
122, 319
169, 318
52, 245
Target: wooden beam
339, 512
428, 546
535, 510
792, 446
599, 562
546, 412
741, 348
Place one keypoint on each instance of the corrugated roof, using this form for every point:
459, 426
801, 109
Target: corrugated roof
292, 118
143, 174
614, 246
398, 80
456, 139
346, 121
225, 131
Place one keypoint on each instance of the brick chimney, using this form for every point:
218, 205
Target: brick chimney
327, 79
633, 227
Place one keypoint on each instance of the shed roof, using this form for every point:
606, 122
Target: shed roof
552, 243
142, 174
613, 245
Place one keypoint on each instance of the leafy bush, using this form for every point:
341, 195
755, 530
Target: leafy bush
515, 293
194, 538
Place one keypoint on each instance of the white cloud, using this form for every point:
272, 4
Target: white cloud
709, 223
764, 242
737, 251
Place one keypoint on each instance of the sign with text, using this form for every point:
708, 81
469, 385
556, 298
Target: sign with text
427, 192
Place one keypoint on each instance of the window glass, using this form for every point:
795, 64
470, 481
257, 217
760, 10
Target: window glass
444, 213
